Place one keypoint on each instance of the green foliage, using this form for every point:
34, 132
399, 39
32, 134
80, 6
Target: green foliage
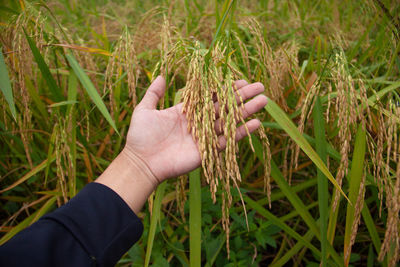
6, 85
90, 89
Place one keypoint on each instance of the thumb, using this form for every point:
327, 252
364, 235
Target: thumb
154, 93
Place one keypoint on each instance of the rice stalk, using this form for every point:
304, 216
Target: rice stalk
122, 60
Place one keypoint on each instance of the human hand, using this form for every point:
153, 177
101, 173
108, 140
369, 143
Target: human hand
160, 138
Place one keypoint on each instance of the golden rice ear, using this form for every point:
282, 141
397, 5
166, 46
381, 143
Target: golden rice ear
307, 105
122, 60
349, 105
392, 189
181, 197
357, 216
206, 83
267, 157
23, 67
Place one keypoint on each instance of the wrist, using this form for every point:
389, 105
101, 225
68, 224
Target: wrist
137, 164
130, 177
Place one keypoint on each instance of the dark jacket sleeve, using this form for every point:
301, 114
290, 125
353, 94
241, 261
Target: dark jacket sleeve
95, 228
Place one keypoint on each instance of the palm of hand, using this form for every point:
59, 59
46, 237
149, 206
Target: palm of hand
161, 139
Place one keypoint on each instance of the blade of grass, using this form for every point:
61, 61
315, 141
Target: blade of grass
355, 179
29, 220
276, 195
39, 104
92, 50
43, 210
44, 69
195, 218
63, 103
376, 97
293, 251
323, 193
5, 86
333, 216
288, 126
369, 222
371, 256
32, 172
90, 89
153, 221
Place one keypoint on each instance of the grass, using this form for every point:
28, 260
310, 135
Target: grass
71, 73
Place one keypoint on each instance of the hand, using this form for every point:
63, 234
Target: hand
161, 139
159, 145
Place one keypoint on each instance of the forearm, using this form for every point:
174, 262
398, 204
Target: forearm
130, 178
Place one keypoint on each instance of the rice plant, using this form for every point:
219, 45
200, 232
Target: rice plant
318, 184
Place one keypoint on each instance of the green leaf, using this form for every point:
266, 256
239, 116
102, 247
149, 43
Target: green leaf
44, 69
63, 103
288, 126
373, 232
90, 89
221, 26
195, 218
5, 85
154, 219
31, 173
371, 257
355, 179
39, 104
323, 193
29, 220
377, 96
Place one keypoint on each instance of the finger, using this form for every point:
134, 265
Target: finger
154, 93
244, 93
238, 84
251, 107
252, 125
250, 90
254, 105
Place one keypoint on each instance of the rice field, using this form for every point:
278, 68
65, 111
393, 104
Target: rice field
317, 185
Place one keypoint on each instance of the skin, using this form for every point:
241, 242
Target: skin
159, 145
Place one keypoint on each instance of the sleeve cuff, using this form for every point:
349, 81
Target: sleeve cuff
101, 222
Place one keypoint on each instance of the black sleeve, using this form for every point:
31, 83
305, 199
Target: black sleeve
95, 228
